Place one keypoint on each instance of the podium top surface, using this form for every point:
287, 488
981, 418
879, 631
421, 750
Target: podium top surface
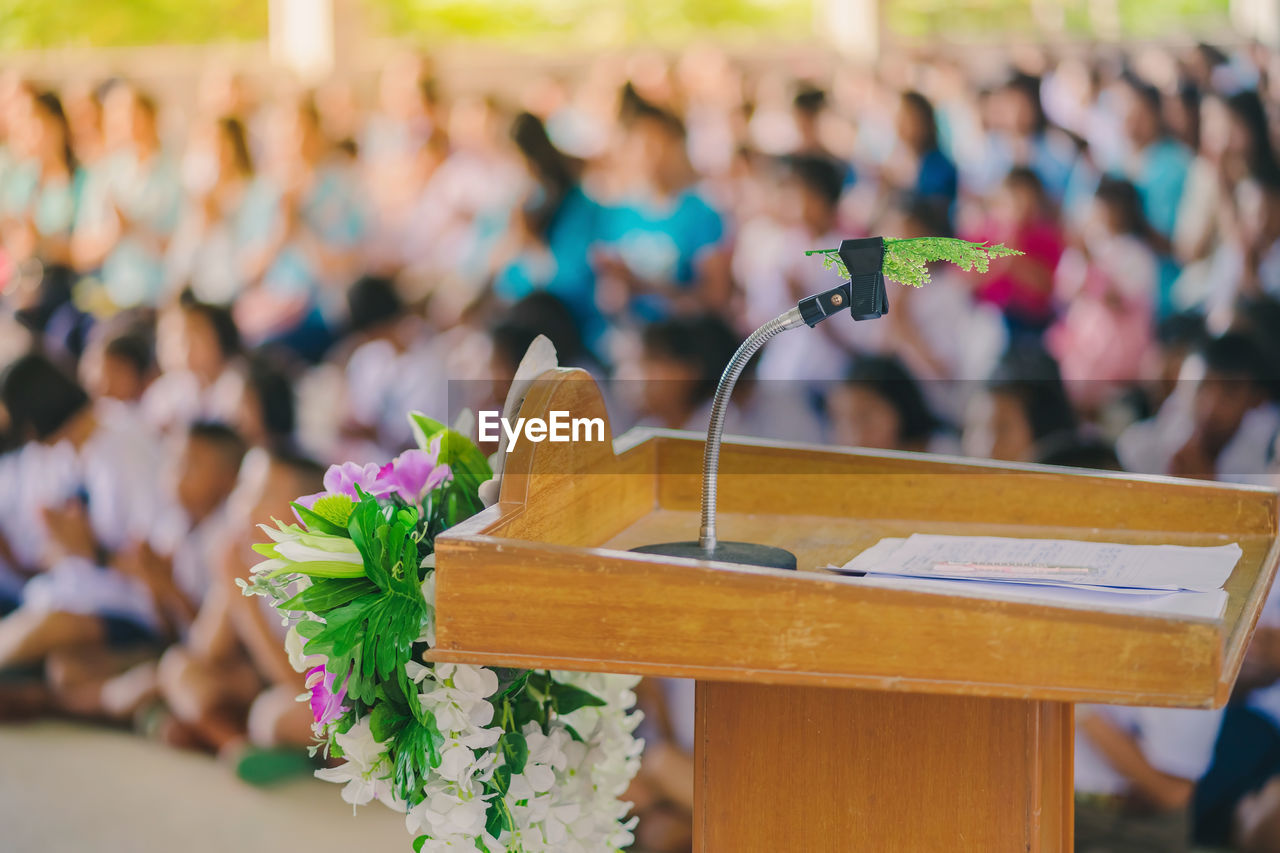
544, 579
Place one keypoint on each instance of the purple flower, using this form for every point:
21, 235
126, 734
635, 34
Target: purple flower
412, 475
326, 705
343, 479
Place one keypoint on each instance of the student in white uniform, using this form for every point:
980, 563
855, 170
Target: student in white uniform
82, 489
1135, 775
1238, 800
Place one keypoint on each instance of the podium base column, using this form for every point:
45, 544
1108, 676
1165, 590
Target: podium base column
819, 769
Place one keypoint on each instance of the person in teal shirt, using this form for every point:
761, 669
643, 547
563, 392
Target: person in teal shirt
1158, 163
662, 247
549, 236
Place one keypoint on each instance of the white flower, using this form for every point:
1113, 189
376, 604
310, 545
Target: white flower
299, 659
366, 771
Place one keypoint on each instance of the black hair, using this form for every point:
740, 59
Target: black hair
539, 313
219, 318
135, 347
923, 108
821, 175
1028, 85
40, 397
222, 438
1028, 374
1185, 329
372, 300
1026, 176
309, 472
1211, 54
233, 129
271, 385
889, 379
704, 342
1074, 452
930, 213
51, 104
1237, 355
556, 172
809, 99
1123, 198
670, 122
1147, 94
1248, 108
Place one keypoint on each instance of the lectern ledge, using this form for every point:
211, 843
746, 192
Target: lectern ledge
833, 716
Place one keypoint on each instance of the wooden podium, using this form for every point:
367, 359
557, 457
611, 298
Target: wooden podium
833, 716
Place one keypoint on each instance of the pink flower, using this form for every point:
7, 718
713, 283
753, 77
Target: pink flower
326, 705
412, 475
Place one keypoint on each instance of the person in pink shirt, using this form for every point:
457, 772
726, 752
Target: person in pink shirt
1107, 286
1021, 286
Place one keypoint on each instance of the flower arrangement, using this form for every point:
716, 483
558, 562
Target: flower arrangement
906, 261
477, 758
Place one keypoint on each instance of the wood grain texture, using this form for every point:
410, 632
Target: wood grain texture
879, 772
544, 578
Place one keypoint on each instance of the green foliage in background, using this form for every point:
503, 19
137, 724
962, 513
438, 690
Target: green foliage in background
984, 19
553, 24
595, 23
26, 24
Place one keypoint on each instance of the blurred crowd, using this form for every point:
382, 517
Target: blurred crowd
195, 316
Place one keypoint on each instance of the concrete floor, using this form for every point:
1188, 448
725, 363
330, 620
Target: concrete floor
73, 788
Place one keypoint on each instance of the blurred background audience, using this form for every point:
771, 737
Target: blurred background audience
276, 274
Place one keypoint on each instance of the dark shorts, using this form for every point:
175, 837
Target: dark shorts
126, 634
1246, 755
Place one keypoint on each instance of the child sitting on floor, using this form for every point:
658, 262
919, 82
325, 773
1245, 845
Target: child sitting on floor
230, 686
82, 489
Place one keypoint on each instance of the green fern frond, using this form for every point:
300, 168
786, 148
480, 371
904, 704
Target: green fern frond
907, 261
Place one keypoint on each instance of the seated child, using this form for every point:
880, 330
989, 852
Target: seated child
83, 489
881, 406
1220, 424
230, 686
175, 568
1023, 407
1135, 774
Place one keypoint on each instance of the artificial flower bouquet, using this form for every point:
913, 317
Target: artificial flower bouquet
477, 758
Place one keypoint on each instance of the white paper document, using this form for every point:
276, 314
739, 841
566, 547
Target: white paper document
1102, 566
1196, 605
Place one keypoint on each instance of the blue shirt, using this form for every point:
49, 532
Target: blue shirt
937, 177
661, 243
1160, 178
564, 270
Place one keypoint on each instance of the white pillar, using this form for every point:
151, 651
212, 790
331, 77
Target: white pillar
854, 27
302, 37
1258, 19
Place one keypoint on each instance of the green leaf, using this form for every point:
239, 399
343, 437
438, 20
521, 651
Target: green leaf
317, 523
573, 733
565, 698
328, 593
467, 463
385, 722
515, 749
309, 628
906, 261
416, 751
502, 780
510, 681
419, 842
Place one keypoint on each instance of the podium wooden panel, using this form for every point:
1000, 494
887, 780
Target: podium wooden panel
952, 727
